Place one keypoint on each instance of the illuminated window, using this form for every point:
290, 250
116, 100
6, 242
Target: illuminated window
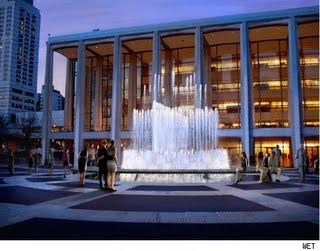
269, 76
267, 145
224, 75
309, 67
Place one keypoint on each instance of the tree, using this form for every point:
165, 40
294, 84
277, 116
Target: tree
28, 125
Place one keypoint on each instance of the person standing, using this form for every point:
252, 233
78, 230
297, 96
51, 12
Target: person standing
273, 165
71, 156
307, 164
91, 156
260, 167
10, 162
267, 178
36, 161
30, 160
112, 164
243, 168
316, 166
82, 164
66, 162
50, 161
102, 164
302, 161
278, 154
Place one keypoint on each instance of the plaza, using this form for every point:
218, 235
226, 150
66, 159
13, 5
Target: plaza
41, 207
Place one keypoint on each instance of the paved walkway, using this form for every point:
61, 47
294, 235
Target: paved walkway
39, 206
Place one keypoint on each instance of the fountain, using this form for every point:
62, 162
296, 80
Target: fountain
176, 138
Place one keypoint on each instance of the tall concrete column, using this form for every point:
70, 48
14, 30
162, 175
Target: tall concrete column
80, 102
246, 90
156, 68
199, 65
295, 100
168, 85
116, 95
47, 109
132, 88
68, 104
98, 96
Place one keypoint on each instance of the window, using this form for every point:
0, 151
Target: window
270, 77
309, 67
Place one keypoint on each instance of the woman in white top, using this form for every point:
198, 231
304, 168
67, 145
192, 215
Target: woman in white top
92, 156
261, 168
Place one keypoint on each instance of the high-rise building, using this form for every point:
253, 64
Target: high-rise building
57, 100
19, 47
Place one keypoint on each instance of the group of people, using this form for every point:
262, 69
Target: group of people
33, 159
266, 164
105, 158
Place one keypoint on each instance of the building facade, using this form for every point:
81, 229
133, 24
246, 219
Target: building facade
19, 47
261, 71
57, 100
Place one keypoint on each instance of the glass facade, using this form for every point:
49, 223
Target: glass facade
224, 55
269, 49
136, 78
107, 71
177, 70
91, 83
309, 71
312, 149
266, 145
98, 90
221, 75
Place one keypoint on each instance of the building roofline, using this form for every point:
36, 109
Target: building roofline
180, 25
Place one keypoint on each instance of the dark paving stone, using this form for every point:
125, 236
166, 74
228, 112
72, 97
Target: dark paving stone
310, 198
251, 177
309, 176
261, 186
289, 170
59, 174
29, 196
2, 182
145, 203
45, 179
77, 184
5, 175
172, 188
58, 229
307, 181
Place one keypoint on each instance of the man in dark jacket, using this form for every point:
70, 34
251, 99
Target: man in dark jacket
102, 164
302, 162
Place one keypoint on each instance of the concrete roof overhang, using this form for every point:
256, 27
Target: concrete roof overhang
101, 42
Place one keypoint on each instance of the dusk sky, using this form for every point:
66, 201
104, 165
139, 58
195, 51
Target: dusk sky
60, 17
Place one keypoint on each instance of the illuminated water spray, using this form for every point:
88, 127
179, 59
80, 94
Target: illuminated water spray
176, 138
